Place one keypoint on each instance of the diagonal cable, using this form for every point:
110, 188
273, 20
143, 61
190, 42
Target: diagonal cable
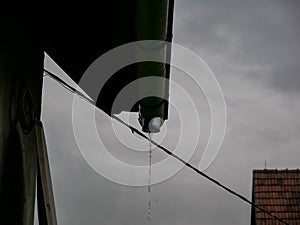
133, 129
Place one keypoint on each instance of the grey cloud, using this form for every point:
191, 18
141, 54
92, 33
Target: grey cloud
260, 33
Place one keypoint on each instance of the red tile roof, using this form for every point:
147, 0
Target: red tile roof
279, 192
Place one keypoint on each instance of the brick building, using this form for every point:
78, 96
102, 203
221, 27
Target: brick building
278, 191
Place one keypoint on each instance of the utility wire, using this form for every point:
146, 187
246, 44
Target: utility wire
198, 171
133, 129
67, 86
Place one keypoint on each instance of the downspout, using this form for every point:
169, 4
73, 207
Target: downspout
154, 22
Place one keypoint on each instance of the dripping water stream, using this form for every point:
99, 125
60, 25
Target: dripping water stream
149, 177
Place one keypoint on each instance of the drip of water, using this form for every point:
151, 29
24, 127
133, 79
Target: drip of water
149, 176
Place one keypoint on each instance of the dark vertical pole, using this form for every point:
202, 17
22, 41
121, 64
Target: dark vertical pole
46, 205
168, 58
40, 200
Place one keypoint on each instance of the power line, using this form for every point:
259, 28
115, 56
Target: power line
133, 129
67, 86
198, 171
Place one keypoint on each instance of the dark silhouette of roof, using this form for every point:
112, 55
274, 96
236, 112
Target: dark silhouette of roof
278, 191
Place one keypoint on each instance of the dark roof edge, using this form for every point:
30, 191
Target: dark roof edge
297, 170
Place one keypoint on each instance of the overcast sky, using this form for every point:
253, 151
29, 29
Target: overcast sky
253, 49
